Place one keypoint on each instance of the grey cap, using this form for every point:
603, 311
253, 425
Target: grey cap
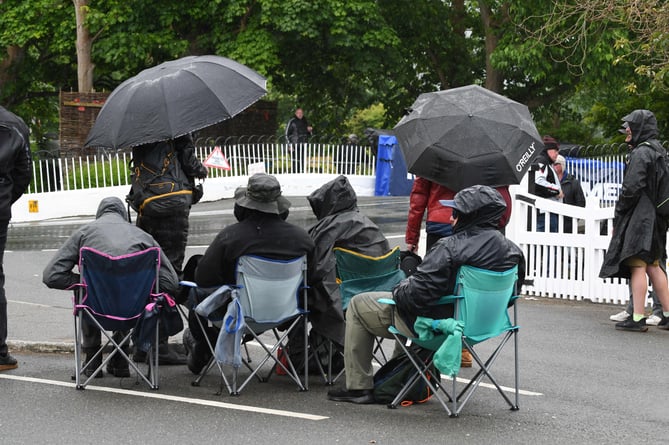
282, 201
475, 198
262, 193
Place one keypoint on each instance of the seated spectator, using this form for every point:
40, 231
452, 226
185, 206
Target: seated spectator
261, 230
475, 241
112, 234
340, 224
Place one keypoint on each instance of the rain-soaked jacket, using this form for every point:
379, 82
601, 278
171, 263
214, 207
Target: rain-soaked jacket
475, 241
340, 224
15, 165
637, 232
110, 233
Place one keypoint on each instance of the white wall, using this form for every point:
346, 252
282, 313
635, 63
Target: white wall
43, 206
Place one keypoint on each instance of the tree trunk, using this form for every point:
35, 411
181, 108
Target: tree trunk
84, 45
493, 79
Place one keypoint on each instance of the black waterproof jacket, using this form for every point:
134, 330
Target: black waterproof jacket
637, 232
340, 224
476, 241
15, 165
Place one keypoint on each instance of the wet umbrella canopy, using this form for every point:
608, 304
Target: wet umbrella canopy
173, 99
467, 136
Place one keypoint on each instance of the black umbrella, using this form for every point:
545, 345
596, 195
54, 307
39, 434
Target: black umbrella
173, 99
15, 123
467, 136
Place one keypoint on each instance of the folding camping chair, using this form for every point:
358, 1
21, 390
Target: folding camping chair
112, 295
358, 273
270, 295
482, 299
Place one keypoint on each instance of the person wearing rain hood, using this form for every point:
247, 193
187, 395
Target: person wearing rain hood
262, 230
112, 234
638, 243
340, 224
475, 241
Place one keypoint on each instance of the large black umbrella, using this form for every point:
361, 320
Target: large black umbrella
466, 136
173, 99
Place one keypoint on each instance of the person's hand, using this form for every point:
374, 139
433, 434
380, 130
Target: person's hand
204, 173
412, 247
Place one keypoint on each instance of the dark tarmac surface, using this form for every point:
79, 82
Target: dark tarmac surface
582, 381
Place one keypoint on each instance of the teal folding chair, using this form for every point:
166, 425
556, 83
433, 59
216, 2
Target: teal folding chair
358, 273
482, 300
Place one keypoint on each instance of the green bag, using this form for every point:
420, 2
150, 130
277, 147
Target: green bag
391, 378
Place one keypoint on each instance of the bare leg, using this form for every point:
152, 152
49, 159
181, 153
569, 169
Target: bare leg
660, 286
639, 285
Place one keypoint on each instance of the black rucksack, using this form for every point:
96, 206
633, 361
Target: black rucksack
391, 378
159, 184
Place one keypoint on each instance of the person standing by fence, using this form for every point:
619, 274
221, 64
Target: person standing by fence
15, 174
298, 131
639, 236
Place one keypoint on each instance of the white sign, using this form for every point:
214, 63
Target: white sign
216, 159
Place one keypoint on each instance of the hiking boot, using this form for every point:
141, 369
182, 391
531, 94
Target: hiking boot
93, 364
466, 361
631, 325
198, 355
664, 323
168, 355
8, 362
118, 367
359, 396
620, 316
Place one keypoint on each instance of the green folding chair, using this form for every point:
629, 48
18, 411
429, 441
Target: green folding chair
358, 273
482, 300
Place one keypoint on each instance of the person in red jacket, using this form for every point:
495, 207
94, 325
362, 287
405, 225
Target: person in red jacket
425, 195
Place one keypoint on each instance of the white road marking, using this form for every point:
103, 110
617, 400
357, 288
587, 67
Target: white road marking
201, 402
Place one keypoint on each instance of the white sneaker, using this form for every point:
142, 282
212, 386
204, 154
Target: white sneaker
653, 320
621, 316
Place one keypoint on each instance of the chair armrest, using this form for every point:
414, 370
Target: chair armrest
448, 299
386, 301
187, 283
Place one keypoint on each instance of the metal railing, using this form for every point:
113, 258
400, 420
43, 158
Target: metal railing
108, 169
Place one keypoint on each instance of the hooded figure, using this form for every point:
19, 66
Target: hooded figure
637, 232
340, 224
476, 241
262, 230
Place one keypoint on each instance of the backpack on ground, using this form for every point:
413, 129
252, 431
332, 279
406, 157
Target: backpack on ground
391, 378
159, 184
661, 170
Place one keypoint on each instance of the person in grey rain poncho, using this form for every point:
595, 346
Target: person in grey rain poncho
340, 224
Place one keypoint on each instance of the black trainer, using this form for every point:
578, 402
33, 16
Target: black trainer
8, 362
118, 366
631, 325
359, 396
664, 323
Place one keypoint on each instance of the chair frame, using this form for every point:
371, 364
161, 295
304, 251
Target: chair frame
255, 329
508, 332
82, 311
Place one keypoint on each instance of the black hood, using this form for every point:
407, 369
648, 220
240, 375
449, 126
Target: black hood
334, 197
643, 125
478, 205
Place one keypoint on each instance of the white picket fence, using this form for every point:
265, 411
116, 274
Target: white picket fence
565, 265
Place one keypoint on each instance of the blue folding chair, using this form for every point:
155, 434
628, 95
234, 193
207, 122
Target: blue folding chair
269, 296
482, 299
112, 295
